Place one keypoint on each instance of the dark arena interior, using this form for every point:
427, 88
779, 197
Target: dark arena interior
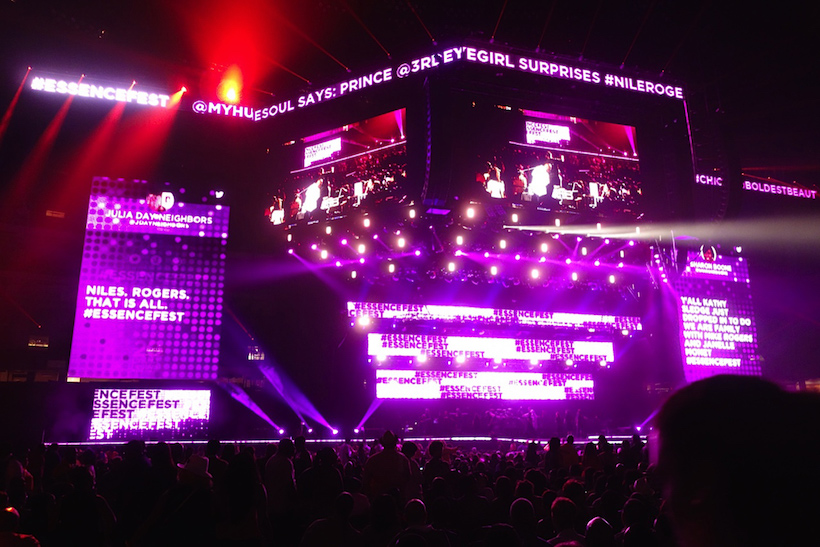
384, 228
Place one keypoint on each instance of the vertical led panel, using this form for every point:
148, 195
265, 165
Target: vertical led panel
717, 327
149, 302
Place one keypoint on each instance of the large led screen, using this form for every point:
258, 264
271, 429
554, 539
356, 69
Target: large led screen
435, 351
359, 166
149, 303
149, 413
717, 327
550, 162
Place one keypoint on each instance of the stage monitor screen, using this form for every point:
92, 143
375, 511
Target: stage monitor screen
550, 162
717, 326
149, 304
361, 166
120, 414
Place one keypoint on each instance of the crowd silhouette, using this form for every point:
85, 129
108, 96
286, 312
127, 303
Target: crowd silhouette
732, 461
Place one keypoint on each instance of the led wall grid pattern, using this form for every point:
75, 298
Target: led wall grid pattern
149, 303
120, 414
431, 384
717, 327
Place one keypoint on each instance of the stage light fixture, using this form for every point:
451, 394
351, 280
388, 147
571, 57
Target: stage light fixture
361, 248
544, 247
631, 243
323, 254
486, 254
391, 268
335, 431
502, 244
460, 359
353, 274
281, 431
401, 243
343, 241
515, 218
422, 358
535, 274
470, 212
375, 236
361, 260
575, 276
557, 223
356, 430
459, 240
570, 362
366, 222
584, 251
411, 213
622, 254
229, 89
598, 226
620, 264
459, 252
738, 249
612, 279
518, 257
451, 267
328, 230
290, 251
417, 252
314, 247
568, 261
625, 332
338, 264
493, 270
597, 263
290, 237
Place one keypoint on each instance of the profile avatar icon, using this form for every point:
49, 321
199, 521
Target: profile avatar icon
708, 253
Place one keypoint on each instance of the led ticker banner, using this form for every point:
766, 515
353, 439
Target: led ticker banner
718, 334
511, 386
491, 316
89, 90
543, 66
149, 303
475, 347
119, 414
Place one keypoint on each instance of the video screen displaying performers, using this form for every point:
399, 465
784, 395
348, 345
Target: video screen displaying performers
359, 166
717, 325
149, 304
551, 162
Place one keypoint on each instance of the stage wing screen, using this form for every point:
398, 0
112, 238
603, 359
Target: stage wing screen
717, 327
149, 304
120, 414
361, 166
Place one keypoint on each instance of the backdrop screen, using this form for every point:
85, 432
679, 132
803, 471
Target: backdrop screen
149, 303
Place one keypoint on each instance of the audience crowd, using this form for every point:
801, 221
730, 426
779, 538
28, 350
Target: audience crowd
711, 486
